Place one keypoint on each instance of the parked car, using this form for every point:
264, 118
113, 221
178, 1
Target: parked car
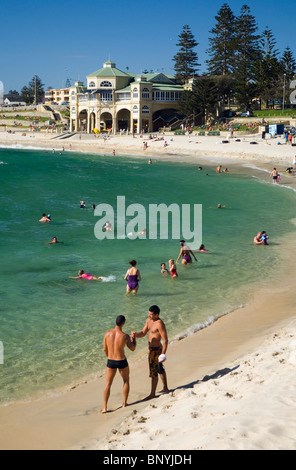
64, 103
246, 114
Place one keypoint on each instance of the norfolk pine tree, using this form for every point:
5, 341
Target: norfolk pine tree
186, 60
222, 43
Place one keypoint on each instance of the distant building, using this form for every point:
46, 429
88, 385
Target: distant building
57, 96
13, 100
121, 101
1, 93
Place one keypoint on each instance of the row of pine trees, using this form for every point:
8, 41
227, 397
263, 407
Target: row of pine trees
243, 64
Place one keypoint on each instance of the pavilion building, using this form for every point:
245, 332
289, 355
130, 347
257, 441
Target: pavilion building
120, 101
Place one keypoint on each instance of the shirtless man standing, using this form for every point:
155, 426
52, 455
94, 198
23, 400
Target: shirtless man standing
114, 343
274, 175
157, 332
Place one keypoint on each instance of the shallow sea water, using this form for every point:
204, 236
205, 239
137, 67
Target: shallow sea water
52, 327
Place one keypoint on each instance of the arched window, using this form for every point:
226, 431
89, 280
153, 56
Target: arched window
91, 84
105, 83
145, 110
135, 93
135, 109
145, 93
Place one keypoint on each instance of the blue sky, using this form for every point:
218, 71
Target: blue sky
70, 39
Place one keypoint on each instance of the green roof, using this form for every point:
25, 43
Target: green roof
167, 87
109, 70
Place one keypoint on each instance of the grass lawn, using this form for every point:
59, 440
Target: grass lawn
287, 113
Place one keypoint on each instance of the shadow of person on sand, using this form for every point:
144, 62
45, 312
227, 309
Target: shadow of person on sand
218, 374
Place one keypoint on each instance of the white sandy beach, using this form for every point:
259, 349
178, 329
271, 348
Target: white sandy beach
232, 384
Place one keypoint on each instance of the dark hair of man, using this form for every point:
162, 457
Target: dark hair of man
120, 320
154, 309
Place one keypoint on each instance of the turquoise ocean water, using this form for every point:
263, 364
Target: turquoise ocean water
51, 326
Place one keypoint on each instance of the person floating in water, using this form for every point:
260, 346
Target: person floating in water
83, 275
45, 218
173, 269
132, 277
107, 227
202, 249
82, 204
185, 253
53, 241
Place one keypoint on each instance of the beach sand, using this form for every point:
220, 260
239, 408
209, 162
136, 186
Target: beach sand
232, 384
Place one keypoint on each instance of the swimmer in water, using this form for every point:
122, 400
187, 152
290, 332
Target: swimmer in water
202, 249
163, 269
132, 277
258, 240
185, 253
83, 275
53, 241
107, 227
264, 237
82, 204
45, 218
173, 269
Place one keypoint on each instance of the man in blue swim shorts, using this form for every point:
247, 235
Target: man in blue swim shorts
114, 343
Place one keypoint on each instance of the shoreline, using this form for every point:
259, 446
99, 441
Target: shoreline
73, 420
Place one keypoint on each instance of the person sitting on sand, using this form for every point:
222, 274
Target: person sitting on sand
83, 275
163, 269
45, 218
173, 269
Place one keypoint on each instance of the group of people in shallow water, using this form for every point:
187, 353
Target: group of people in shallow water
261, 238
133, 275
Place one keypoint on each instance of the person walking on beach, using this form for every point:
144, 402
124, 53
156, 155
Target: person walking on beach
115, 341
157, 351
132, 277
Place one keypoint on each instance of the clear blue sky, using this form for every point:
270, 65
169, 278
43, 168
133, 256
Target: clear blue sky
64, 39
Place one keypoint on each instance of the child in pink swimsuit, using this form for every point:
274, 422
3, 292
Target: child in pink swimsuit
83, 275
